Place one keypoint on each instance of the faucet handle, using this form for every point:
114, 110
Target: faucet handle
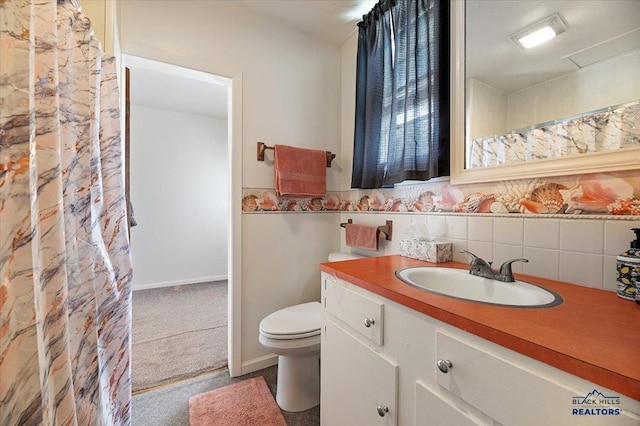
480, 267
472, 255
505, 269
476, 259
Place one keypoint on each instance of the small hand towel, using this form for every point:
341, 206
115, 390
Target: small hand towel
361, 236
300, 172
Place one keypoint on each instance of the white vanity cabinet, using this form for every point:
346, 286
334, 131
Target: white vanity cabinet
515, 390
362, 386
393, 363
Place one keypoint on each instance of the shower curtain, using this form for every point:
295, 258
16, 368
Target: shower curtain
65, 277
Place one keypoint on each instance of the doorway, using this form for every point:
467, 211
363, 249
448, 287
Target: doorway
180, 168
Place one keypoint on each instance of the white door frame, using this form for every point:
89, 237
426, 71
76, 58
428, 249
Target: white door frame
235, 227
234, 224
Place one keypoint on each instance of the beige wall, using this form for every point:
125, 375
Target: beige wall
95, 10
489, 108
180, 197
349, 62
291, 95
102, 14
585, 90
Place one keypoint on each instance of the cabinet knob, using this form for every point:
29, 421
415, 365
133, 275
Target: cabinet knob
368, 322
382, 410
444, 365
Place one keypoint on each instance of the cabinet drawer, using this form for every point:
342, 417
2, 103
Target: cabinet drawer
434, 410
362, 314
511, 393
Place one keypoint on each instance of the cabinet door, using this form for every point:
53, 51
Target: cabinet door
356, 382
513, 394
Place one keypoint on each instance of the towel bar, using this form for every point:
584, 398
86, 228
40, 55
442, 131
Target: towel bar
386, 229
262, 147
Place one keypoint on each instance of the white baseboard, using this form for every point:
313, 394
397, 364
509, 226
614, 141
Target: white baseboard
179, 282
259, 363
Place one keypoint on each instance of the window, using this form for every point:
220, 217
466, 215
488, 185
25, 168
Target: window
402, 93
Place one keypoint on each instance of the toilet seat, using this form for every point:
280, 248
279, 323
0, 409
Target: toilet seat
295, 322
290, 336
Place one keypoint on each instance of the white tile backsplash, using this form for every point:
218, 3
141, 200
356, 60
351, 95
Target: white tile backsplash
542, 263
584, 236
504, 252
542, 233
457, 227
437, 227
583, 268
508, 230
578, 251
456, 246
480, 249
480, 229
618, 235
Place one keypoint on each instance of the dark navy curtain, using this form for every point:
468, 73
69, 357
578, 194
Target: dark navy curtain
402, 93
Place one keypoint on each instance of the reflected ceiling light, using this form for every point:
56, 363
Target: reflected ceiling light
539, 32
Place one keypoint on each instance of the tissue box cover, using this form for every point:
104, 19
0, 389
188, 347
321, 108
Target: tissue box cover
431, 251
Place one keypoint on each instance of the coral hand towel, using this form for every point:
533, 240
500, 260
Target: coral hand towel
300, 172
362, 236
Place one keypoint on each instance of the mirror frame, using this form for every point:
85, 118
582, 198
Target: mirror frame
618, 160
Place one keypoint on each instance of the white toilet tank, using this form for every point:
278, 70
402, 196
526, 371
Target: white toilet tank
335, 257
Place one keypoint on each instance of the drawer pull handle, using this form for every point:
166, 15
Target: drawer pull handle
444, 365
382, 410
368, 322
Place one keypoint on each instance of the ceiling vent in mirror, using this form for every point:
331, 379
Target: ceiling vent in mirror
615, 46
539, 32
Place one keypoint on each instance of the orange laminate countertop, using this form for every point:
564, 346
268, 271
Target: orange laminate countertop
593, 334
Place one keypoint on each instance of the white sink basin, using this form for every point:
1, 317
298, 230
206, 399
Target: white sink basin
460, 284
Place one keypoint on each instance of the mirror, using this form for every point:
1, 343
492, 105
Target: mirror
568, 106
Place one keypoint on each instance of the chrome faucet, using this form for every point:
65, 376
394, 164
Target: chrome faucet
482, 268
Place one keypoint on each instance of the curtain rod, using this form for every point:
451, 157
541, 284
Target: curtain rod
377, 9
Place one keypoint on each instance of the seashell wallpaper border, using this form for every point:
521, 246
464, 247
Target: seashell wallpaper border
609, 195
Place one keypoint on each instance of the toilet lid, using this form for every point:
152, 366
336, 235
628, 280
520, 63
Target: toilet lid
293, 322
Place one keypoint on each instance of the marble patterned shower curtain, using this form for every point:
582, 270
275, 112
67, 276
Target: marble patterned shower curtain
65, 263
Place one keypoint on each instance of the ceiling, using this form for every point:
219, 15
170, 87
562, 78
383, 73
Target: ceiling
156, 87
494, 59
171, 88
331, 20
491, 56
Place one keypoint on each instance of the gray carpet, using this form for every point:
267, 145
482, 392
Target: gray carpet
169, 405
178, 332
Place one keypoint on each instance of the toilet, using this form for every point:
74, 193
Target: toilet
293, 334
